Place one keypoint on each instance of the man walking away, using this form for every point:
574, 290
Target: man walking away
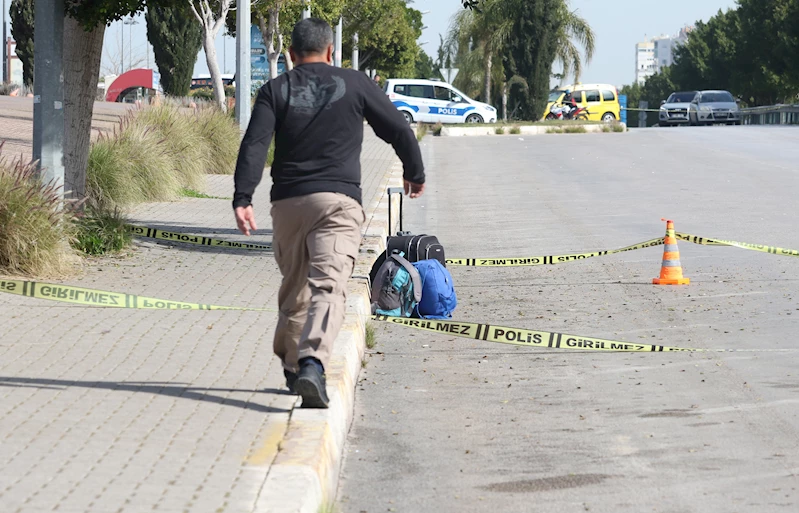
316, 112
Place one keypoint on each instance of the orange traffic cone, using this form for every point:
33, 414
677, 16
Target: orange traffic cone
671, 269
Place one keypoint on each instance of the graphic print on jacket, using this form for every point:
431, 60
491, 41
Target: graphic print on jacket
310, 98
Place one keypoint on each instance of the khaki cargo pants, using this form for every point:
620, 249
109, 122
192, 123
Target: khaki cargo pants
316, 239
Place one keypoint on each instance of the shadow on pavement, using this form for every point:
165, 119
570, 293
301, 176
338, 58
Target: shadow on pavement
179, 390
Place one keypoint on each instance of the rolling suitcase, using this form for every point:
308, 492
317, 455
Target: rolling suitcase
414, 247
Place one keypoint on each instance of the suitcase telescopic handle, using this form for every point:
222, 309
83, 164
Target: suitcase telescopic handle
401, 192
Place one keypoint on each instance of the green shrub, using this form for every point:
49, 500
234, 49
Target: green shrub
499, 130
130, 166
617, 127
515, 130
437, 128
554, 131
606, 129
223, 138
574, 130
203, 93
100, 232
34, 226
421, 131
191, 154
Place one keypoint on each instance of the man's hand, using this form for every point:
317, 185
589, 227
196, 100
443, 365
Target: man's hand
414, 189
245, 219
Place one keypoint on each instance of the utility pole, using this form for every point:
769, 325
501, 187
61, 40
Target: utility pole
243, 64
48, 100
337, 57
355, 51
306, 12
6, 78
129, 22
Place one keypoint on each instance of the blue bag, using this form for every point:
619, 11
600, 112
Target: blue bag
438, 294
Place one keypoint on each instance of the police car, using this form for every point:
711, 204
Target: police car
432, 101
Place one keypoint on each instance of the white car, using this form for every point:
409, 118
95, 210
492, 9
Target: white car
432, 101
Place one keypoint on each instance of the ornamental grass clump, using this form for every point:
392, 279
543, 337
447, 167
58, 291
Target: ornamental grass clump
35, 227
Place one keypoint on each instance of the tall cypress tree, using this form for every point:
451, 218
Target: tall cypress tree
176, 38
532, 50
22, 31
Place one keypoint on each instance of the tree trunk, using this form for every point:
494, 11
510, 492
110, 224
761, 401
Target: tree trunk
487, 83
289, 62
82, 54
505, 101
213, 69
273, 40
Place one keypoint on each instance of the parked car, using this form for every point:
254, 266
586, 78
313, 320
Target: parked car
601, 100
710, 107
675, 110
433, 101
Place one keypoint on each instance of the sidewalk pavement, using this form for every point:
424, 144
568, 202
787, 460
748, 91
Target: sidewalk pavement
16, 123
116, 410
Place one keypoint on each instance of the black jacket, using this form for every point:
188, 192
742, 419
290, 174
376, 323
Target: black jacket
316, 112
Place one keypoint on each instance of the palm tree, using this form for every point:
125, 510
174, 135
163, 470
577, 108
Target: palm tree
573, 28
482, 38
479, 36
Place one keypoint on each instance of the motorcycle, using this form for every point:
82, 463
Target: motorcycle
566, 112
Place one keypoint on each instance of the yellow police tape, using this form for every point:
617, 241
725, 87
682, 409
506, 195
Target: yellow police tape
93, 297
522, 337
471, 330
548, 259
155, 233
743, 245
560, 259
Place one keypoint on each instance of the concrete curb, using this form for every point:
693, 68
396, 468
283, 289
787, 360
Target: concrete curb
304, 474
454, 131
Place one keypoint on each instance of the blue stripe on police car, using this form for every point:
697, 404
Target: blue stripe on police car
404, 104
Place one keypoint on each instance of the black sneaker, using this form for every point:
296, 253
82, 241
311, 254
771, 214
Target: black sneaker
291, 378
310, 385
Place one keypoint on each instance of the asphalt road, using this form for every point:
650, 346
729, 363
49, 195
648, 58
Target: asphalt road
454, 425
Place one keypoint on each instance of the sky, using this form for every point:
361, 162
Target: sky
618, 25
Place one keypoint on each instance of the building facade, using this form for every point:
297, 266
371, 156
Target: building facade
653, 55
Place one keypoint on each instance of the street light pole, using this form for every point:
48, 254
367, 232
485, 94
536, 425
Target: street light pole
48, 90
339, 29
306, 12
6, 78
355, 51
243, 64
130, 22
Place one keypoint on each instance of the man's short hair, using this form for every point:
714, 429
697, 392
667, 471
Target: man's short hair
311, 36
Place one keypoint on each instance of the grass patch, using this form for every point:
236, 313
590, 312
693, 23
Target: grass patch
102, 232
617, 127
567, 130
606, 129
371, 336
515, 130
222, 136
190, 151
191, 193
34, 226
499, 130
130, 166
327, 507
421, 131
437, 128
156, 153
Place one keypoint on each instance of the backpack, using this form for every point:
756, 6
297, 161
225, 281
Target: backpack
438, 295
397, 288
